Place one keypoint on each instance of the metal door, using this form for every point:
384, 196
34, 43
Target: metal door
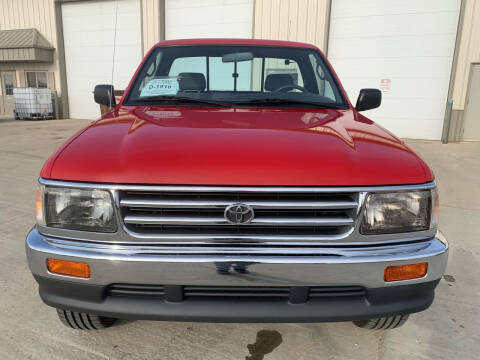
8, 82
472, 106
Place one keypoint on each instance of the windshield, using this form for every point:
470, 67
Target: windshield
235, 76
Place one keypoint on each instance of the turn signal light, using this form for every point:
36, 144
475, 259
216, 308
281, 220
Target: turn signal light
69, 268
405, 272
39, 206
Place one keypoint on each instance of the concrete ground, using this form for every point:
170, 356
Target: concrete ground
29, 329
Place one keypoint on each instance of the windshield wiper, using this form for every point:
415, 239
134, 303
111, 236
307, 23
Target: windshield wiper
277, 101
180, 99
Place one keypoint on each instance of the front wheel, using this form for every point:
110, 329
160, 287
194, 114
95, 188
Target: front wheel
84, 321
385, 323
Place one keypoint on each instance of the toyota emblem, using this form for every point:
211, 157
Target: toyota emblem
239, 214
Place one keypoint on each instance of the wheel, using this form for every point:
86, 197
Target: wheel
385, 323
83, 321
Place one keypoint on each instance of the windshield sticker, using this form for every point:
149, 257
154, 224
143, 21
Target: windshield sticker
167, 85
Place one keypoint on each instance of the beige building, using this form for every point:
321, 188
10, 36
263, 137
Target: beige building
424, 55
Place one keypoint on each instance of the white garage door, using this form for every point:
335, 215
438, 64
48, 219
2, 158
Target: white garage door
404, 47
208, 18
88, 31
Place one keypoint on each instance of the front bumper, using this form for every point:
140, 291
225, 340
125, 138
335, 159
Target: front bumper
350, 266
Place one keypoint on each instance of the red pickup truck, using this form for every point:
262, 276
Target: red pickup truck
235, 182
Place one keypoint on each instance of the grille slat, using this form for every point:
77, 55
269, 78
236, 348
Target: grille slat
170, 220
233, 294
136, 290
198, 291
279, 214
210, 204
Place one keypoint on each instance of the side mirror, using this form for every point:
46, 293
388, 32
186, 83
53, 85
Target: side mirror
368, 99
104, 95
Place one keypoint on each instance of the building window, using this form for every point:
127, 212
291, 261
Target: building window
37, 79
8, 79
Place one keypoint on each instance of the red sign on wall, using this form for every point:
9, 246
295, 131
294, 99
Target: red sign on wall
385, 85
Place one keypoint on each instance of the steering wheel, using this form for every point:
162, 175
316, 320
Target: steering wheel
290, 87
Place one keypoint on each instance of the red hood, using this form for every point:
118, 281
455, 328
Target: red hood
224, 146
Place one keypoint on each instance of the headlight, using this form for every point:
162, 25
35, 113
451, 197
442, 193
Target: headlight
387, 213
75, 209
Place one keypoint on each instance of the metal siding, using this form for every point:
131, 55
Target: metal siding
21, 79
456, 126
301, 15
283, 19
30, 53
150, 23
24, 55
468, 53
292, 14
51, 80
26, 14
472, 106
208, 19
91, 25
43, 55
24, 45
296, 20
40, 14
275, 19
370, 46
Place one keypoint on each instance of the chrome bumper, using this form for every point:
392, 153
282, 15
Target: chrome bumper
353, 265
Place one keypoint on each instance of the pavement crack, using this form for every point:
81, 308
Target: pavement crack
381, 338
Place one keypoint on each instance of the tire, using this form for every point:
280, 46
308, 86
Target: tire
83, 321
385, 323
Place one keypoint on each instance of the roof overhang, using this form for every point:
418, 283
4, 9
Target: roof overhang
24, 45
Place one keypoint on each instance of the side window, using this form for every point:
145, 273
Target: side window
151, 71
324, 87
329, 91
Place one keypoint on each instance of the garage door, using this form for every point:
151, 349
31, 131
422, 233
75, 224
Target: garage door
208, 18
88, 31
404, 47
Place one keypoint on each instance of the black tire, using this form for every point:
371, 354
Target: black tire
83, 321
385, 323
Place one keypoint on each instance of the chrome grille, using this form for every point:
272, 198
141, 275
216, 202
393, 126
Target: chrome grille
279, 215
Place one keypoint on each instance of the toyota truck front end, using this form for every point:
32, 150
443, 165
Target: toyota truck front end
235, 182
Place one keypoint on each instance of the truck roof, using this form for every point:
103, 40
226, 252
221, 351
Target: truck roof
226, 41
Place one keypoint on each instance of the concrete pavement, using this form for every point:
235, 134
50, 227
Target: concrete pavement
30, 329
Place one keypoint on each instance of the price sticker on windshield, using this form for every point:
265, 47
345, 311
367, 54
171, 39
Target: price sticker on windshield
167, 85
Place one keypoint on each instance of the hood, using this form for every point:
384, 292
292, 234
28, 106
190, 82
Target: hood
225, 146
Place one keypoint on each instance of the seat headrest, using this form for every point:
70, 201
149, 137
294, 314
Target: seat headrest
276, 81
191, 81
